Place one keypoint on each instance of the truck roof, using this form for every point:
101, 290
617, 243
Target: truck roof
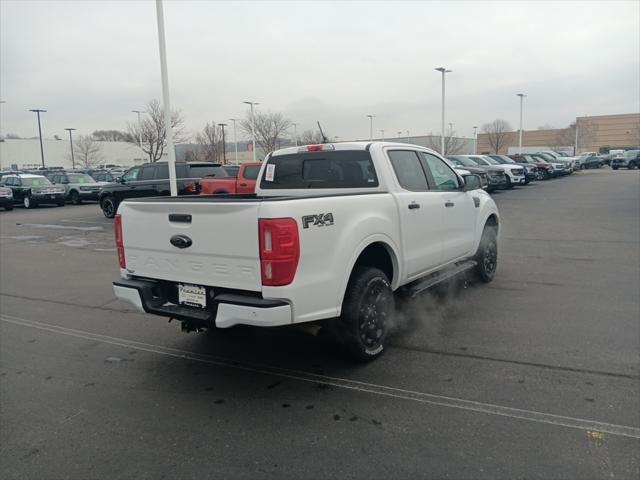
339, 146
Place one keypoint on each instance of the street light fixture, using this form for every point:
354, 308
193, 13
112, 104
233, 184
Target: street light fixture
521, 95
235, 138
73, 161
224, 145
37, 111
443, 71
371, 117
475, 140
253, 127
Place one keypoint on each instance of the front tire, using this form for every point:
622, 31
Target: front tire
367, 313
109, 207
75, 198
632, 165
28, 202
508, 185
487, 255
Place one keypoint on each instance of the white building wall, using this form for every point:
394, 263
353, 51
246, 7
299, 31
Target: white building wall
22, 152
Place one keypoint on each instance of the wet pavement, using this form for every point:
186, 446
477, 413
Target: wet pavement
535, 375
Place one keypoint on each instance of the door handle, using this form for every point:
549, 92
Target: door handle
449, 203
243, 184
413, 206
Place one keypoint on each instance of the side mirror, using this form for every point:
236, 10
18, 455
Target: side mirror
120, 180
472, 182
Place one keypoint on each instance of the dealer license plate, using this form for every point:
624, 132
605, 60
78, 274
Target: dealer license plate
192, 295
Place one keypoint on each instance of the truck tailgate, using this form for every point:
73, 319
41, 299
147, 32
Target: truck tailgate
224, 250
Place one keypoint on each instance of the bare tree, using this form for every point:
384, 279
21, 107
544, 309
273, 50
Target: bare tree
113, 136
87, 151
452, 144
269, 128
587, 131
209, 143
152, 132
310, 137
497, 134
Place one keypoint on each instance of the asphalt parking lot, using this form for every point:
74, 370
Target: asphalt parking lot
536, 375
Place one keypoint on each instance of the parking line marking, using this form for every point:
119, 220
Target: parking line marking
347, 384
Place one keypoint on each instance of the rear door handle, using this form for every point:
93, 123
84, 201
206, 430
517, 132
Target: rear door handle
413, 206
449, 204
243, 184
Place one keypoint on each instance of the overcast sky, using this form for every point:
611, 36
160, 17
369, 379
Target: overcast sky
89, 63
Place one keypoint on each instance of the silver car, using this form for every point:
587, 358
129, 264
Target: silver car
78, 186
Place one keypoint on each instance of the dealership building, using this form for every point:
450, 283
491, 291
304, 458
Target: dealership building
595, 134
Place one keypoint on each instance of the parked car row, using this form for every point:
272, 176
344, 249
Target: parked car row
110, 186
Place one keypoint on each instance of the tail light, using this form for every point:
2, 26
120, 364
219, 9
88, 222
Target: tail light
279, 250
191, 187
317, 148
117, 227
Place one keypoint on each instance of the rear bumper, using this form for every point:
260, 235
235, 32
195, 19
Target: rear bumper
223, 310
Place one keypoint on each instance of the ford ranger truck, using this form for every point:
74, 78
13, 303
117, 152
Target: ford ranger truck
331, 233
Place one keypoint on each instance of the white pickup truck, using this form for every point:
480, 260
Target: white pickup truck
331, 233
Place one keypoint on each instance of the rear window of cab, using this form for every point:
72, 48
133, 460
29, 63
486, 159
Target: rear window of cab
323, 169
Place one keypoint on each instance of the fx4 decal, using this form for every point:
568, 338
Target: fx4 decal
320, 220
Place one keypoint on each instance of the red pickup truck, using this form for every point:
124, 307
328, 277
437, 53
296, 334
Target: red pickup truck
224, 182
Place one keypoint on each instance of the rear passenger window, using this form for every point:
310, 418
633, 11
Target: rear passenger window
408, 170
251, 172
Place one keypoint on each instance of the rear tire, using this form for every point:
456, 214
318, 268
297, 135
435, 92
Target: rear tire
109, 207
367, 313
614, 168
487, 255
632, 165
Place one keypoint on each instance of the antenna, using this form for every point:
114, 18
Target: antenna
324, 139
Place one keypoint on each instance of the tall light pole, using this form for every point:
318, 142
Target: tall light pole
295, 133
139, 127
37, 111
165, 97
73, 161
371, 117
382, 133
521, 95
253, 128
224, 145
475, 140
443, 71
235, 138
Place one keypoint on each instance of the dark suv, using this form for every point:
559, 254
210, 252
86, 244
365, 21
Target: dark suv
152, 180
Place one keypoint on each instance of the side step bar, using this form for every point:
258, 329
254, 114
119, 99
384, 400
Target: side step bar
433, 279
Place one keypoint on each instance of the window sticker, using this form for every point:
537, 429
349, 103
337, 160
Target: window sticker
80, 179
35, 182
271, 170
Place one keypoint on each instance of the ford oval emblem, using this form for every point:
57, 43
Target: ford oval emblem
180, 241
